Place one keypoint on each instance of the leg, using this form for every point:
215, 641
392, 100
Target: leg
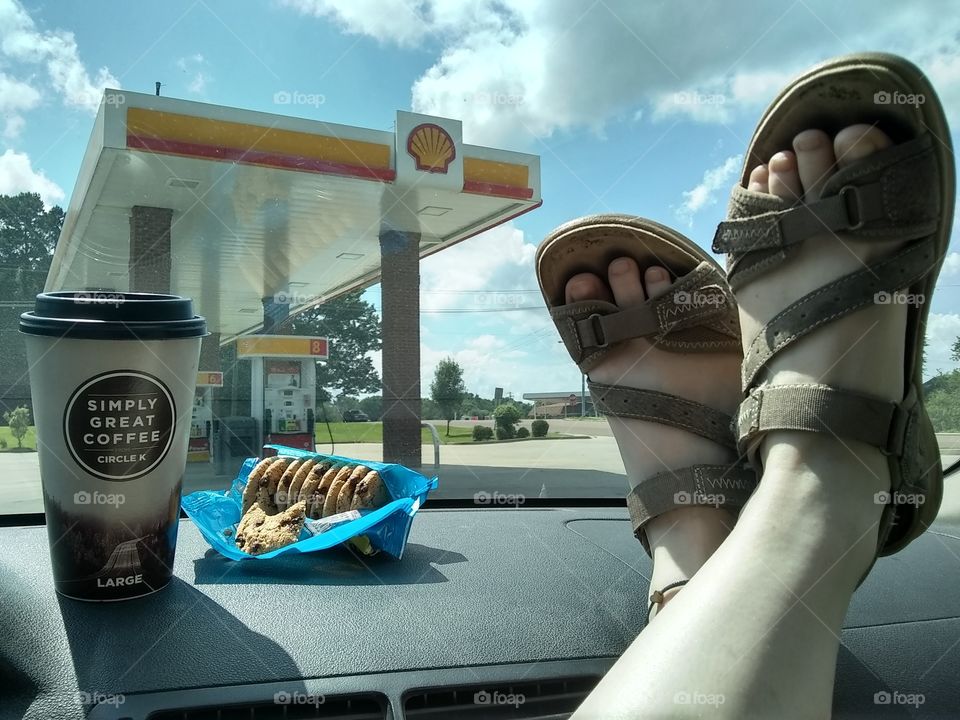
680, 540
765, 644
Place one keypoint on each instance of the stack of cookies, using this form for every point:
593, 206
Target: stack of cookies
282, 492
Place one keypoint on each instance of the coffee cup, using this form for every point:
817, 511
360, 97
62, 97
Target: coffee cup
112, 378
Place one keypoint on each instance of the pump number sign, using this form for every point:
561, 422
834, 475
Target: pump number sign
282, 346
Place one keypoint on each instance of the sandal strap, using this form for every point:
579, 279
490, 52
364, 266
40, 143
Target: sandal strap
824, 409
891, 195
665, 409
875, 284
697, 485
699, 315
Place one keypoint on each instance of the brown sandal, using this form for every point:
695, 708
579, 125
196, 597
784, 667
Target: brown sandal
903, 193
699, 315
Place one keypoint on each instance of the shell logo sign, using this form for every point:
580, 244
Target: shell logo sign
431, 147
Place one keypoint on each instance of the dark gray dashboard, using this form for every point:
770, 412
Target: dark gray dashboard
481, 597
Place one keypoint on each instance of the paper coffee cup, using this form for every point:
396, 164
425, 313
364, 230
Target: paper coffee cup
112, 376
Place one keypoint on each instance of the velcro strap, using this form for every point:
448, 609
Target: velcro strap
890, 195
697, 485
820, 408
698, 314
664, 409
848, 210
874, 284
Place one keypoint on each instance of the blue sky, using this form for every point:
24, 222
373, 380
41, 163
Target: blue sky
632, 108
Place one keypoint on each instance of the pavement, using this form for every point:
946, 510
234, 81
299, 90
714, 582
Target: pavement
494, 474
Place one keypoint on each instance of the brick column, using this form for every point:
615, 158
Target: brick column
150, 249
400, 292
210, 353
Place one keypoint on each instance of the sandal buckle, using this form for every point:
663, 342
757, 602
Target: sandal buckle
597, 326
850, 195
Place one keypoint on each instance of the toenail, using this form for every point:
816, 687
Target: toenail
581, 287
782, 160
657, 274
808, 141
620, 266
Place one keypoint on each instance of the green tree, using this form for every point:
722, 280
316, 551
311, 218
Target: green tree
505, 419
346, 402
19, 422
954, 349
372, 406
943, 401
447, 389
353, 328
28, 235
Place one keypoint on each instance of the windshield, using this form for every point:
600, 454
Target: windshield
352, 194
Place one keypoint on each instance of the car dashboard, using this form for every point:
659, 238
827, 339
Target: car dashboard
491, 613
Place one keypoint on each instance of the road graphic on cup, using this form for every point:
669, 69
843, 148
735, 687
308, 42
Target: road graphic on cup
119, 425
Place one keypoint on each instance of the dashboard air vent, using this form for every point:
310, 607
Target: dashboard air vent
528, 700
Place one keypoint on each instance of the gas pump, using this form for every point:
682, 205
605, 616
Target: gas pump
283, 376
200, 448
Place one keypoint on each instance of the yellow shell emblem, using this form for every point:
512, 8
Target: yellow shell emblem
432, 148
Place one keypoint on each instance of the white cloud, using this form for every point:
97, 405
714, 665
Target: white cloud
942, 330
715, 182
56, 50
564, 65
16, 97
195, 65
17, 175
461, 276
951, 265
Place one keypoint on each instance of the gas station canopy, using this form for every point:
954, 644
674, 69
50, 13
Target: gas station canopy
270, 206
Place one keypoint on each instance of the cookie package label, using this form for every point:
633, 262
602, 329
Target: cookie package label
119, 425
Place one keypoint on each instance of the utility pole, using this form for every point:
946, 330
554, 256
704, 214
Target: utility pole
583, 395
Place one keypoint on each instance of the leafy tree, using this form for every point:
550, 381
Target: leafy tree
372, 406
943, 401
346, 402
505, 419
353, 328
28, 235
954, 349
19, 422
429, 410
447, 389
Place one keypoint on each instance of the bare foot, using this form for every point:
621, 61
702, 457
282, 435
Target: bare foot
862, 352
680, 540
